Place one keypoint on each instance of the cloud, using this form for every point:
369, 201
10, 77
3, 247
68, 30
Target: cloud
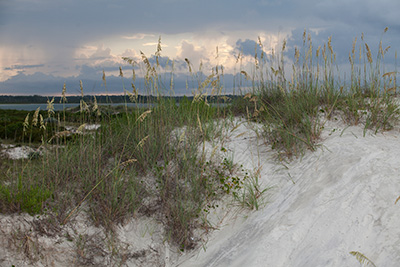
154, 44
249, 48
62, 38
138, 36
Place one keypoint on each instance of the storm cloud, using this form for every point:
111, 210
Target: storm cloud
70, 39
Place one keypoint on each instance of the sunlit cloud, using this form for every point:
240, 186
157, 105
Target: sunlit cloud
155, 44
138, 36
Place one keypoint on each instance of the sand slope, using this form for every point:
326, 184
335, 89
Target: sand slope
342, 200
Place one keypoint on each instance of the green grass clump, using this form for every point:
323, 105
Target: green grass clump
294, 110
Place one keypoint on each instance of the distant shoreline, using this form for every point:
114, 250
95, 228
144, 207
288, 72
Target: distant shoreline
114, 99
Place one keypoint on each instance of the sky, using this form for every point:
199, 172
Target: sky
46, 43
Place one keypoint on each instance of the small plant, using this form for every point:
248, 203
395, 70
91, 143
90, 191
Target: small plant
251, 195
362, 259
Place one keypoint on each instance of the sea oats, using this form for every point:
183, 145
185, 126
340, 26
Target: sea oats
296, 54
389, 73
397, 200
83, 106
81, 128
330, 44
188, 63
42, 125
199, 122
104, 80
248, 95
50, 106
35, 117
59, 134
158, 52
386, 49
145, 61
318, 51
354, 46
182, 136
81, 86
369, 54
63, 97
26, 123
128, 162
381, 49
207, 81
256, 57
96, 107
134, 96
141, 143
143, 116
159, 48
245, 75
259, 42
121, 74
362, 258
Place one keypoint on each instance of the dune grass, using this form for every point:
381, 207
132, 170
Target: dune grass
294, 110
151, 161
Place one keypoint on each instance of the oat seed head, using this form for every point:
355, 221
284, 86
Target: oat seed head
141, 143
96, 107
386, 49
50, 106
296, 54
104, 79
354, 46
42, 126
145, 61
81, 86
158, 52
330, 44
81, 128
318, 51
63, 97
284, 45
245, 75
369, 54
26, 123
35, 117
83, 106
143, 115
188, 63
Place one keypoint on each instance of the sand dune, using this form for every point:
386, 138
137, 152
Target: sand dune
325, 205
336, 200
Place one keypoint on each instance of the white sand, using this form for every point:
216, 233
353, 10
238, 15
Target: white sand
331, 202
13, 152
342, 201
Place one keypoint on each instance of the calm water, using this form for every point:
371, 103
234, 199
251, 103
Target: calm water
57, 107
